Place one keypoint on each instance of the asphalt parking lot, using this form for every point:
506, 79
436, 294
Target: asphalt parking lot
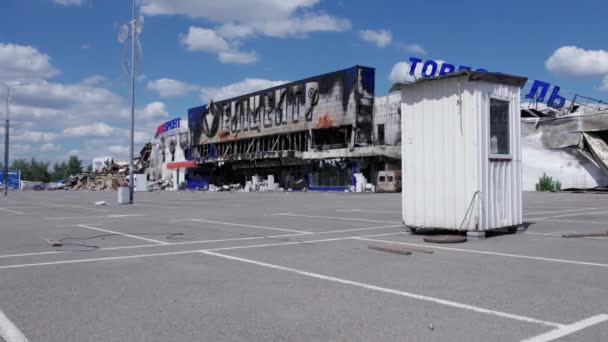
292, 267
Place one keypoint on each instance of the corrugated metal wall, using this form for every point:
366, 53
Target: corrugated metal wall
446, 160
439, 158
501, 184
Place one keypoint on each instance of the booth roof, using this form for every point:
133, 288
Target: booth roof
493, 77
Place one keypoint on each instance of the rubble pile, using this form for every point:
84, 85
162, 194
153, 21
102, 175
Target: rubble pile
96, 181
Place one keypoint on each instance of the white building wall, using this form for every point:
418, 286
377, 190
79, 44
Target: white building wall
178, 138
387, 111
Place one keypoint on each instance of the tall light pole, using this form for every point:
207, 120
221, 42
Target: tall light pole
7, 118
132, 138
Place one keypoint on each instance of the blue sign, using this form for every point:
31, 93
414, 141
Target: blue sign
538, 91
13, 178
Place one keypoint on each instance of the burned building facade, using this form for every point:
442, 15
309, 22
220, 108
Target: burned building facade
315, 133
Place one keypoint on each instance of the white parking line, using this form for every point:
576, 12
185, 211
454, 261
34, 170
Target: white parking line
74, 206
560, 235
575, 221
123, 234
602, 212
487, 253
206, 241
12, 211
568, 329
388, 290
94, 259
558, 211
368, 211
251, 226
175, 253
8, 331
90, 217
335, 218
293, 243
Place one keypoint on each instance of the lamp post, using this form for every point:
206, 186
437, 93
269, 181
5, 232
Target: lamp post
7, 117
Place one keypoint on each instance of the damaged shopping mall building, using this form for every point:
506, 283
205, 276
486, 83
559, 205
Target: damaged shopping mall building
319, 133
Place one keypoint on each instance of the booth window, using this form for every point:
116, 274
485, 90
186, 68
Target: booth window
499, 128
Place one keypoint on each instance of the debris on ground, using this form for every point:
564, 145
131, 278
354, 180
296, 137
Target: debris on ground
100, 203
445, 239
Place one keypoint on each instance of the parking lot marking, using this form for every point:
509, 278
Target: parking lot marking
602, 212
294, 242
12, 211
251, 226
8, 331
335, 218
90, 217
487, 253
388, 290
123, 234
568, 329
30, 254
74, 206
94, 259
558, 211
368, 211
560, 235
575, 221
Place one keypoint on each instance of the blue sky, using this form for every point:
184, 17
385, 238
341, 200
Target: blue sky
193, 50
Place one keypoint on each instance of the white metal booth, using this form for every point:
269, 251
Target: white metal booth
461, 152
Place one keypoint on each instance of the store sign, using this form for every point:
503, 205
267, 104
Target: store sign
538, 92
13, 178
168, 126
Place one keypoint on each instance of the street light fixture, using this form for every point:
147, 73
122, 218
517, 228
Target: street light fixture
7, 116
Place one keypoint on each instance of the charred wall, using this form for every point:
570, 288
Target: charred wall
337, 99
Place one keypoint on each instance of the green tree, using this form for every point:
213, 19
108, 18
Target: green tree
90, 168
59, 171
24, 166
74, 166
40, 171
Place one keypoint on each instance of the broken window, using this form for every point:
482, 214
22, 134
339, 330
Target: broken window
380, 134
382, 179
390, 179
499, 128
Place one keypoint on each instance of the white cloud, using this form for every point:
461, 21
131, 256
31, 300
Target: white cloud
202, 39
94, 80
69, 2
120, 150
243, 87
381, 38
572, 61
167, 87
97, 129
24, 63
411, 48
240, 19
400, 72
227, 10
50, 147
238, 57
85, 46
153, 111
33, 136
604, 85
